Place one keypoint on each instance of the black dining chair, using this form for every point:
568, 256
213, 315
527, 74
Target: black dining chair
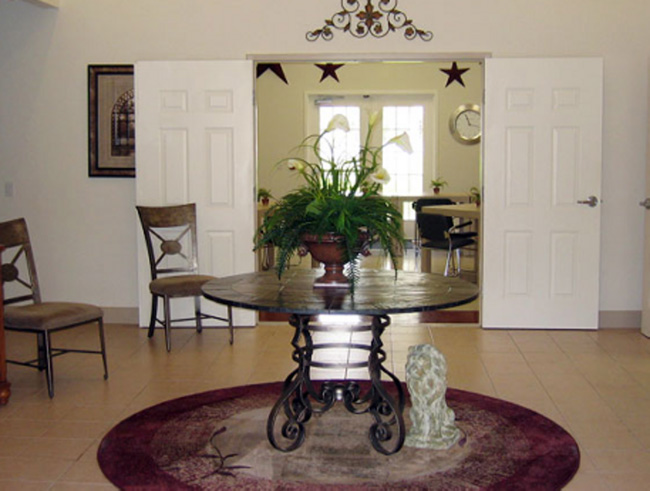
440, 232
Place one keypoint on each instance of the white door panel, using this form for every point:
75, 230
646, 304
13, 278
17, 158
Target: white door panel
645, 308
542, 154
195, 144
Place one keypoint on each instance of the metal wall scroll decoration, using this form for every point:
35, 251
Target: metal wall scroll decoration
377, 18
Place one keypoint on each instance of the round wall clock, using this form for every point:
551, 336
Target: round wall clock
465, 124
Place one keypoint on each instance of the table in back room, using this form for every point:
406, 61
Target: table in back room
377, 295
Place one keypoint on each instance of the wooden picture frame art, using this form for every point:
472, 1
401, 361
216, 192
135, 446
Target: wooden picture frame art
111, 121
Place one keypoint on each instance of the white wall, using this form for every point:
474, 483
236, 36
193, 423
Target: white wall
85, 229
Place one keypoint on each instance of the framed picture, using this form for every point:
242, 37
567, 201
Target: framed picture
111, 121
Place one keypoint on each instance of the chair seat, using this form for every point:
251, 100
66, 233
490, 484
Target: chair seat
50, 315
456, 242
188, 285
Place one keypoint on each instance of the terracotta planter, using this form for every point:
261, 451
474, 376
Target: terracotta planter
329, 249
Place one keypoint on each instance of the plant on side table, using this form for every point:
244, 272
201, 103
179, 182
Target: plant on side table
438, 184
264, 196
338, 208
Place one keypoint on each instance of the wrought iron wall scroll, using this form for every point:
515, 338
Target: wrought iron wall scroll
377, 18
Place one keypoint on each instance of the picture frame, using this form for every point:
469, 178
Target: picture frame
111, 121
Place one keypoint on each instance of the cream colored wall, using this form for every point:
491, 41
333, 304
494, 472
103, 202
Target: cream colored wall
282, 113
85, 229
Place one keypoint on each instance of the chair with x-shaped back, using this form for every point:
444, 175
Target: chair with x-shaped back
170, 235
34, 316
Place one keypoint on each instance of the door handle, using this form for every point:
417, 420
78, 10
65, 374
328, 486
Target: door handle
591, 201
645, 203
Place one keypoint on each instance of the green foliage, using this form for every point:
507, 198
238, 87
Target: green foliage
340, 197
263, 193
475, 195
438, 183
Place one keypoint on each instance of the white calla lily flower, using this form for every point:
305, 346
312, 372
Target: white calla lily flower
372, 119
380, 176
403, 141
338, 122
295, 164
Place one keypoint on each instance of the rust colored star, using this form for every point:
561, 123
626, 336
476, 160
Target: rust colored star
275, 68
329, 70
455, 74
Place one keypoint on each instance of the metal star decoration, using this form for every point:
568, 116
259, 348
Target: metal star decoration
376, 17
455, 74
329, 70
274, 67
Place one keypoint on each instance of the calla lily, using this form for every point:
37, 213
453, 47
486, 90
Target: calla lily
338, 122
403, 141
380, 176
372, 119
295, 164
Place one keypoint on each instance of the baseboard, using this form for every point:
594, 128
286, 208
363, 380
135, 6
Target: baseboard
611, 319
121, 315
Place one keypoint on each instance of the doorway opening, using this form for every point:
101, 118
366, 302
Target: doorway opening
290, 96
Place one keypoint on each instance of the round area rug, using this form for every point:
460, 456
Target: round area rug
217, 440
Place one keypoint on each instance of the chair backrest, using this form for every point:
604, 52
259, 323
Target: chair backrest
170, 237
432, 227
19, 279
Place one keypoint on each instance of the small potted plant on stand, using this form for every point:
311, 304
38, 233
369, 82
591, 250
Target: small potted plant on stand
438, 184
338, 208
264, 196
475, 195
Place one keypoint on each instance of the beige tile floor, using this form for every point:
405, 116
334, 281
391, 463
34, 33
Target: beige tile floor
596, 384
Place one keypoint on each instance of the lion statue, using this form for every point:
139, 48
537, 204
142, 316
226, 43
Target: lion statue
432, 421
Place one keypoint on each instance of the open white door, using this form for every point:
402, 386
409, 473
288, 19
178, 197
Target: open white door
196, 144
542, 178
645, 311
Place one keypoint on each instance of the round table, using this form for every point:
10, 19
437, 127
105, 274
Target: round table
376, 294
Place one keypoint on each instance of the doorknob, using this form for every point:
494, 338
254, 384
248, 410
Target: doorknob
645, 203
591, 201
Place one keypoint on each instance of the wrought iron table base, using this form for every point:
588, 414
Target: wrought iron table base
301, 397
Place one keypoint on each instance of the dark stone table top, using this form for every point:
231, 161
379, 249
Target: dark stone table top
376, 293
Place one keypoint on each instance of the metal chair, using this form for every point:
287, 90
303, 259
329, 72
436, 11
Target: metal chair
20, 284
440, 232
171, 240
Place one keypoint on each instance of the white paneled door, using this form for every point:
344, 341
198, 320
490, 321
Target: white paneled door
196, 144
542, 182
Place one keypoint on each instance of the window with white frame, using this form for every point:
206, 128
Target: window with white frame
397, 114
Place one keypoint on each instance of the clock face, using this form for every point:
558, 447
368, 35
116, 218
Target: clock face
465, 124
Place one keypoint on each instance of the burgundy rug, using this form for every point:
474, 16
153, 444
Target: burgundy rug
217, 440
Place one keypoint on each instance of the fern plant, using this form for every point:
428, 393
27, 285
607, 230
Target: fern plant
339, 197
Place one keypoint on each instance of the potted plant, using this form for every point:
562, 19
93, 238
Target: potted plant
263, 196
438, 184
339, 203
475, 195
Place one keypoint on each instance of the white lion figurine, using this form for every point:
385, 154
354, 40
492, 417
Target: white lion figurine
432, 421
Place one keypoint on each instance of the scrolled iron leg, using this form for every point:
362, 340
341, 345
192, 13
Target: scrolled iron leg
294, 400
388, 427
296, 412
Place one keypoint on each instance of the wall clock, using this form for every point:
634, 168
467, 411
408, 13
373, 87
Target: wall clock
465, 124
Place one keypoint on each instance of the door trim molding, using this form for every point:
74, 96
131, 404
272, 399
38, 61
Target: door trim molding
368, 57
